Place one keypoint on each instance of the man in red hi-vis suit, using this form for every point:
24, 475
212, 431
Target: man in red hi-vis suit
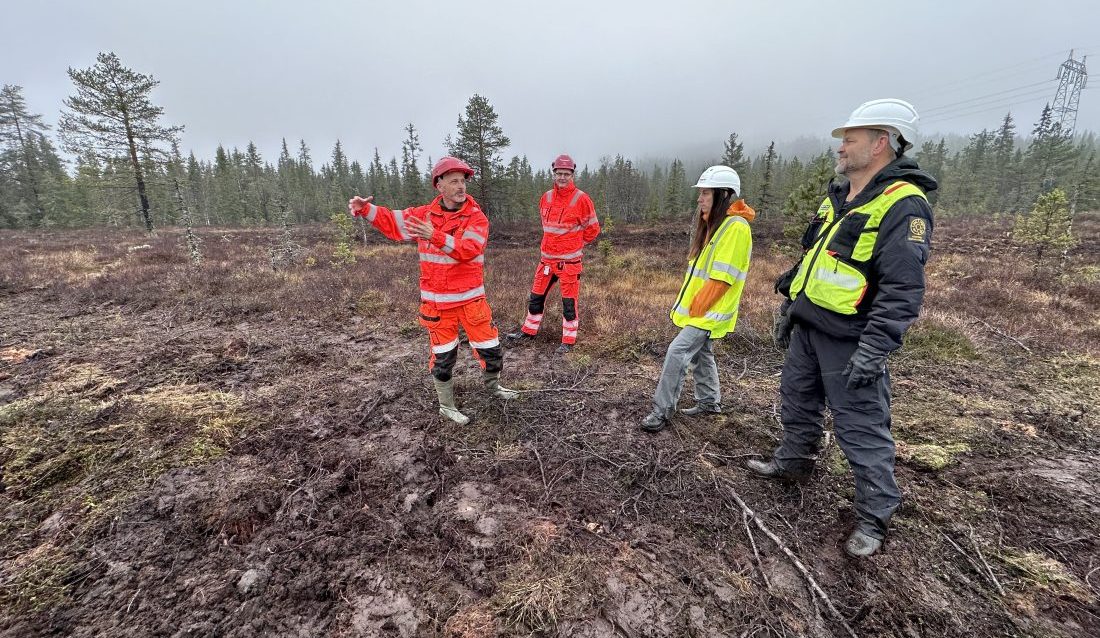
450, 235
568, 223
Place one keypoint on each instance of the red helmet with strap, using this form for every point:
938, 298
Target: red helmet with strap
446, 164
564, 161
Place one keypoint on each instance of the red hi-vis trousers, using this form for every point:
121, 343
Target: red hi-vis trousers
476, 319
568, 273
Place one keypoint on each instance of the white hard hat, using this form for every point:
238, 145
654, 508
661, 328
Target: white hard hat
898, 117
720, 177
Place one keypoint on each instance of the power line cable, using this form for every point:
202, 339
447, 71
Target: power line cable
1007, 100
988, 95
968, 80
1021, 100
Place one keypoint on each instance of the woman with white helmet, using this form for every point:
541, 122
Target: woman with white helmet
706, 307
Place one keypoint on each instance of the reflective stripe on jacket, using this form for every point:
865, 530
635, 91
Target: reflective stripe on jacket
725, 258
833, 271
568, 223
452, 261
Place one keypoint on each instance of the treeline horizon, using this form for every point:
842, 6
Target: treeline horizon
129, 170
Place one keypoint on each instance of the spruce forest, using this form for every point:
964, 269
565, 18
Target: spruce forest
128, 166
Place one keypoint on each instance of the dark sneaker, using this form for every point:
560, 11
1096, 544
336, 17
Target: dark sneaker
702, 408
564, 348
654, 422
860, 545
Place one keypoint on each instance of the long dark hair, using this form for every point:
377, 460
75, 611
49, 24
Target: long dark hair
705, 228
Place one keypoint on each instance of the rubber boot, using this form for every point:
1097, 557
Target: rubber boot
492, 384
769, 469
861, 545
446, 392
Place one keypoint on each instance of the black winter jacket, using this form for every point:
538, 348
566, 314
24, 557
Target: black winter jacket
896, 281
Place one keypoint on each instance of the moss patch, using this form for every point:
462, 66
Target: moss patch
936, 342
1045, 573
931, 457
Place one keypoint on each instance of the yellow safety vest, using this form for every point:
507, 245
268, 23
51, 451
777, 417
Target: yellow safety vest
725, 258
833, 272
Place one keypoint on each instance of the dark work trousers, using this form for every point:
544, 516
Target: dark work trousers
813, 376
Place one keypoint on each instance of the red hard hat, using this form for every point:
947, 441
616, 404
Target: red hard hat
564, 161
446, 164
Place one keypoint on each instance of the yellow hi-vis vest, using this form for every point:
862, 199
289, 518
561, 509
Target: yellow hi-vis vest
725, 258
833, 272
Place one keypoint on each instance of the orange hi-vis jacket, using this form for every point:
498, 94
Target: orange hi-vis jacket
452, 261
568, 223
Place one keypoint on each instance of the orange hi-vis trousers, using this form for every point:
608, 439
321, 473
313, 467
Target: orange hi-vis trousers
476, 319
568, 275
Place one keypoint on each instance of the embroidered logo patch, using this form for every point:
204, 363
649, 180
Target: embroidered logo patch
917, 228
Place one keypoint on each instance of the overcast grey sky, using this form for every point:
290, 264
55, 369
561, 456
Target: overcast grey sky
644, 79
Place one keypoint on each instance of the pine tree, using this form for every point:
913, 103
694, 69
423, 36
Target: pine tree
256, 184
1048, 230
1086, 190
227, 200
306, 197
479, 143
196, 188
767, 198
20, 135
675, 189
734, 155
806, 198
393, 179
1050, 151
654, 196
376, 179
932, 159
412, 188
287, 170
338, 177
111, 116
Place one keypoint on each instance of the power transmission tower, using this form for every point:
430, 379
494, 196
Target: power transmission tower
1073, 77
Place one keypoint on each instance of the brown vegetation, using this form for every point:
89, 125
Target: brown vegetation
226, 449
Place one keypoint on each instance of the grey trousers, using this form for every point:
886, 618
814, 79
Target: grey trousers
812, 376
690, 349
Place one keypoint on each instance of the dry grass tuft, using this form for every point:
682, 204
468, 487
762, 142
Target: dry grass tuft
476, 621
533, 595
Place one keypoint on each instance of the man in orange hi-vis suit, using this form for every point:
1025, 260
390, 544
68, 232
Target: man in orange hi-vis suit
568, 223
450, 235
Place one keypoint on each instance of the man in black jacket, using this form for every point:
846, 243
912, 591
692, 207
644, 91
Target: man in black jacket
849, 300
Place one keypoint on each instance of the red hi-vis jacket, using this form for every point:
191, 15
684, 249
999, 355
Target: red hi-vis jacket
568, 223
452, 261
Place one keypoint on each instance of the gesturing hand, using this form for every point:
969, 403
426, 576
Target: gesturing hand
419, 228
357, 204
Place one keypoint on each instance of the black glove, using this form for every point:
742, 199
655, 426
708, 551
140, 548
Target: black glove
867, 364
781, 328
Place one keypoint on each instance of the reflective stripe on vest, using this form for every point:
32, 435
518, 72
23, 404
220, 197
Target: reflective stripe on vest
399, 218
720, 318
441, 297
444, 259
833, 272
572, 255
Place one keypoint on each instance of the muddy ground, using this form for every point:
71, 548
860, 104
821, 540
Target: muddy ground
230, 449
